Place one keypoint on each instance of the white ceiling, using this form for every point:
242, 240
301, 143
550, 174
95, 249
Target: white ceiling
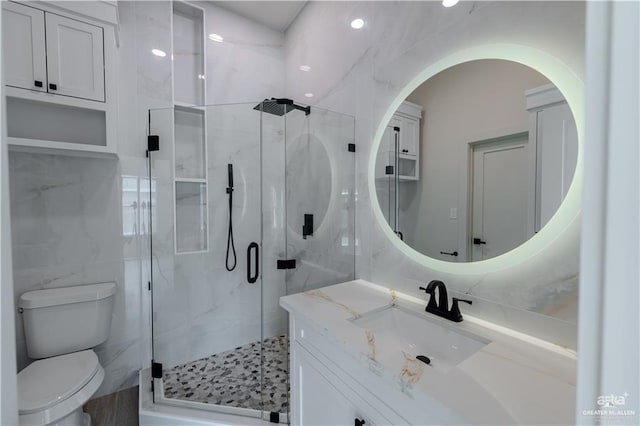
277, 15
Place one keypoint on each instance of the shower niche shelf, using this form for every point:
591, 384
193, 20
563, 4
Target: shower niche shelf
190, 180
188, 54
191, 214
190, 147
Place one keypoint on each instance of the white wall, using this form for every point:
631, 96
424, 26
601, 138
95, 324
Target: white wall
467, 103
609, 296
362, 72
8, 411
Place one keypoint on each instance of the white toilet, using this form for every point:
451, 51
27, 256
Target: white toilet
61, 326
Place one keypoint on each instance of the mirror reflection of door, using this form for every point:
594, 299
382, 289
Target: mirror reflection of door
500, 192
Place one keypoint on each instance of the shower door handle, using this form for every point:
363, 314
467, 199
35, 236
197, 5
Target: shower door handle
256, 260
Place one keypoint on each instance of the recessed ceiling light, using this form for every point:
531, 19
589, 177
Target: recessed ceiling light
357, 23
159, 52
216, 37
449, 3
305, 68
309, 95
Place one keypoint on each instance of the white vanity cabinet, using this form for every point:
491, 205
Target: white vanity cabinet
330, 388
51, 53
60, 65
317, 399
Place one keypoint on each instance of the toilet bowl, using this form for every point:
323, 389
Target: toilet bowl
61, 325
53, 390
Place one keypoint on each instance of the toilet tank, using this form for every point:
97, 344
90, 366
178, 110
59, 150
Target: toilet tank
66, 319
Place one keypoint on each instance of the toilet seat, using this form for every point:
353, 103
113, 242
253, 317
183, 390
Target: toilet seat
51, 388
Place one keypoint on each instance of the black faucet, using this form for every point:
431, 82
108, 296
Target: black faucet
442, 307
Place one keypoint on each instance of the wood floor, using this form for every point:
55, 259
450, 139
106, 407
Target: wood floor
116, 409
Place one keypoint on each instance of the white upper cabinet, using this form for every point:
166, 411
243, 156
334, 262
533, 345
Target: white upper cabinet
24, 47
70, 62
60, 67
75, 58
409, 136
407, 117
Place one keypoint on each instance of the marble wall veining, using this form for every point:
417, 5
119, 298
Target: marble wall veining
362, 72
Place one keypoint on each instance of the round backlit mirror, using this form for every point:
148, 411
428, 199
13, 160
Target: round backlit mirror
476, 160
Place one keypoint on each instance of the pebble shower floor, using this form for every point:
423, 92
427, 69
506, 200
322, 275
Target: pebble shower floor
232, 378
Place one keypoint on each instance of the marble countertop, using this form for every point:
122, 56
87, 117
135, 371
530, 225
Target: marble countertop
513, 379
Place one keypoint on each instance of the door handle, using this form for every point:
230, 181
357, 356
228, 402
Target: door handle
256, 251
478, 241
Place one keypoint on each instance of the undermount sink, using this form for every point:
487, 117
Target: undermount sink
397, 329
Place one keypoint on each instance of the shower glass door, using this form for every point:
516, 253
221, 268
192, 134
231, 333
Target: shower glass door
206, 257
219, 335
320, 199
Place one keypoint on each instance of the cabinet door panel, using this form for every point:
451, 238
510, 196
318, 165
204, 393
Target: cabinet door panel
318, 401
75, 58
410, 134
24, 47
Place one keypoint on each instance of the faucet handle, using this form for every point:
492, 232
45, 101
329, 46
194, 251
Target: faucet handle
454, 313
431, 305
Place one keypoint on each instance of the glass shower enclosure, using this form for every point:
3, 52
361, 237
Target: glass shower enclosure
252, 202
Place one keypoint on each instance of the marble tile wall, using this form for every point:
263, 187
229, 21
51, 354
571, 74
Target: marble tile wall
362, 72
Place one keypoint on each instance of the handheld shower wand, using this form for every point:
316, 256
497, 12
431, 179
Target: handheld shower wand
230, 244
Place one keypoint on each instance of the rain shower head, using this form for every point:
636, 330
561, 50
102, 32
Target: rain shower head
280, 106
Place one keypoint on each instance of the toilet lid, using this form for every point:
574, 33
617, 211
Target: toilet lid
49, 381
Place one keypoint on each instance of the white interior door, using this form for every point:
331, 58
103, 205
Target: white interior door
500, 198
24, 54
75, 58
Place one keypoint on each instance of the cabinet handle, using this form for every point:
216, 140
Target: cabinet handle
359, 422
53, 86
37, 83
405, 150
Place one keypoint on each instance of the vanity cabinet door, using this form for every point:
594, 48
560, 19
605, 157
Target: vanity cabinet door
75, 58
24, 48
316, 399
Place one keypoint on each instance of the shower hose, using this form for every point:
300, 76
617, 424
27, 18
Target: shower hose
230, 244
